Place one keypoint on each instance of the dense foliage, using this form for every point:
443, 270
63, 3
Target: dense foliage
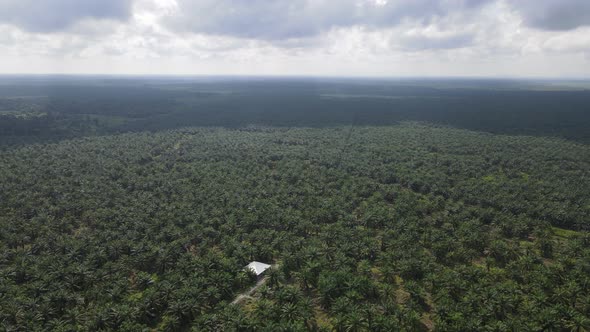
54, 109
400, 227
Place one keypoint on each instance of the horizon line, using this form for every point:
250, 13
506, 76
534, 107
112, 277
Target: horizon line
292, 76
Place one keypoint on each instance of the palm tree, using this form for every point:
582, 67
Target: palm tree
576, 322
240, 322
289, 312
354, 321
274, 277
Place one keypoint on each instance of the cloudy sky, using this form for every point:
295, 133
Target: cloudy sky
497, 38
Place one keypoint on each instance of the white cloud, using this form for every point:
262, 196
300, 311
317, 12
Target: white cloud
570, 41
296, 37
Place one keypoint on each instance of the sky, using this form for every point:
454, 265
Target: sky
369, 38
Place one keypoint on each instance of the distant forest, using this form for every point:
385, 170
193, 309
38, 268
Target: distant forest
45, 109
130, 205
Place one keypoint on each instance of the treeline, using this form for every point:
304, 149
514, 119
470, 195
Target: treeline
103, 108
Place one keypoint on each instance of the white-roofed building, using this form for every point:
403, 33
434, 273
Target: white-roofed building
257, 267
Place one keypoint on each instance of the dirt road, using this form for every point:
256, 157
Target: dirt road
248, 293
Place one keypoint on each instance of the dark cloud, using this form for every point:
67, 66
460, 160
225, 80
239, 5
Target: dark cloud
285, 19
261, 19
554, 14
46, 16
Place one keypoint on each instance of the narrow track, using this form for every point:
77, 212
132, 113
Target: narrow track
248, 294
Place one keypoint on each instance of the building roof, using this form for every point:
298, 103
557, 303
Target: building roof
257, 267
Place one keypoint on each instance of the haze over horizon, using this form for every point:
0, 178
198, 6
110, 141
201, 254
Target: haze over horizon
382, 38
